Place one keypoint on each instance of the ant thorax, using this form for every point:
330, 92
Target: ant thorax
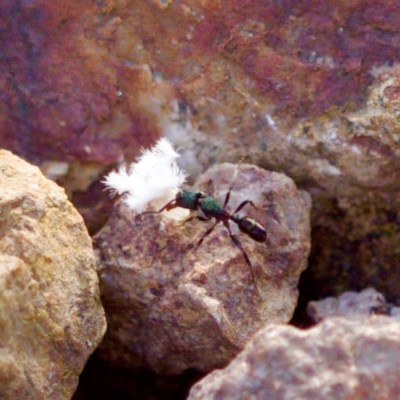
213, 209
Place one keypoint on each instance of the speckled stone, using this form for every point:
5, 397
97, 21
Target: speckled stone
338, 359
51, 318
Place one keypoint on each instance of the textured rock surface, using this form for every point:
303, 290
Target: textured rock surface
307, 88
351, 304
338, 359
170, 310
51, 318
70, 108
229, 63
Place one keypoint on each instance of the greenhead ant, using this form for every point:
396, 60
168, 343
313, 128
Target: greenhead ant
198, 201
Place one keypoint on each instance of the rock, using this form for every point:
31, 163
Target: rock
51, 318
169, 309
241, 69
356, 227
310, 89
338, 359
69, 109
352, 305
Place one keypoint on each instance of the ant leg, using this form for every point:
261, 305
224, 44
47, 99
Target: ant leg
199, 217
228, 194
203, 237
169, 206
243, 203
240, 247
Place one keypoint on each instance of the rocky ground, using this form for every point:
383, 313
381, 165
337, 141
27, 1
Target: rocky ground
307, 93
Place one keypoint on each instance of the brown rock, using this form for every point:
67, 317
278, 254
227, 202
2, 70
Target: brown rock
170, 310
338, 359
356, 227
51, 318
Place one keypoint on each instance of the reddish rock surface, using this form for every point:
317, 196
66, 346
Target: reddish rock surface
170, 310
338, 359
310, 89
63, 92
51, 318
83, 82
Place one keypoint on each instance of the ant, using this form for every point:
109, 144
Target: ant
196, 200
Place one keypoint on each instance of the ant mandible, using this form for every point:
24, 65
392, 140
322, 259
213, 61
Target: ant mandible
196, 200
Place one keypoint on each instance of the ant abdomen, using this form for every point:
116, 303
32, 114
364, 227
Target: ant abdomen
251, 227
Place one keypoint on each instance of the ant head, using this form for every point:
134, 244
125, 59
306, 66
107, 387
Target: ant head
189, 199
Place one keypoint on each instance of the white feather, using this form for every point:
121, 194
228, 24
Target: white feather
118, 182
154, 179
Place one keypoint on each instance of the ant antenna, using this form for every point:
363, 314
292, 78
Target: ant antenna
228, 194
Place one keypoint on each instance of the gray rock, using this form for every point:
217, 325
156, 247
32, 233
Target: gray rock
337, 359
352, 305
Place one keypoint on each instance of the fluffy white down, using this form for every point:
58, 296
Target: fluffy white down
153, 180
